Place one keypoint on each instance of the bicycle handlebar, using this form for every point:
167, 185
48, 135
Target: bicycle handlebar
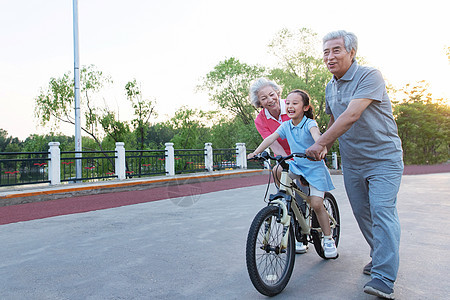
266, 156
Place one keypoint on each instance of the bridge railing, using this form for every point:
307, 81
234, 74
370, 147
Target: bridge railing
95, 165
23, 168
141, 163
57, 167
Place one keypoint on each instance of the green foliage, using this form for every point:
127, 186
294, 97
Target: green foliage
423, 126
297, 51
158, 134
302, 68
116, 131
226, 133
39, 143
143, 110
56, 104
14, 146
227, 85
7, 142
90, 144
191, 131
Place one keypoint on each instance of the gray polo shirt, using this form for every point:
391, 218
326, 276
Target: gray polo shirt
373, 139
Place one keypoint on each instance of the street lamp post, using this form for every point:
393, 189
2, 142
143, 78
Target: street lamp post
78, 147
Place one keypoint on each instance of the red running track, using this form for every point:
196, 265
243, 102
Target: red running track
426, 169
79, 204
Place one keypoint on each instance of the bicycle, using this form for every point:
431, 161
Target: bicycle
270, 249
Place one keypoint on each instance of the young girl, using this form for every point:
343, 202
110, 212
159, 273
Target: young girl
301, 132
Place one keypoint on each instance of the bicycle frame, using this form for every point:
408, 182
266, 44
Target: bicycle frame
271, 240
288, 189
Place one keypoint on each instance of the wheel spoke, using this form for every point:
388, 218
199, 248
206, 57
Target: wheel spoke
269, 269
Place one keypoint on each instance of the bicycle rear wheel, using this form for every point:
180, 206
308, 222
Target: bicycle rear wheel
269, 266
331, 206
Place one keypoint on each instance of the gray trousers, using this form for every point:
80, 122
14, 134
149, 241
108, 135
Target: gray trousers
372, 192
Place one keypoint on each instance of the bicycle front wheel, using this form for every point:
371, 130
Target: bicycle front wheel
332, 208
269, 265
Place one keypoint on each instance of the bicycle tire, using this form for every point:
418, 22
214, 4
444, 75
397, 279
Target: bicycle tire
331, 206
269, 268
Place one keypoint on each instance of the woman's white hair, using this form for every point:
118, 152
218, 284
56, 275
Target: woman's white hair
257, 85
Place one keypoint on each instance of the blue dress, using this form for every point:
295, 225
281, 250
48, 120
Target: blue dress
299, 138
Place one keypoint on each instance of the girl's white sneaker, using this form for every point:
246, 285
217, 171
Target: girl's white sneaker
329, 248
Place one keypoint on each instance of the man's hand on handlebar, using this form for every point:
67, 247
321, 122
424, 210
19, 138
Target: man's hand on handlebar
265, 156
317, 152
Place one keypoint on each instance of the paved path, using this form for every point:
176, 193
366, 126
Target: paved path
193, 246
67, 202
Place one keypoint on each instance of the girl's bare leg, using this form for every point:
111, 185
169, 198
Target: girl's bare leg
276, 171
321, 213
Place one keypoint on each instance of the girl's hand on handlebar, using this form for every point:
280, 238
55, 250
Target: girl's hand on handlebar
251, 155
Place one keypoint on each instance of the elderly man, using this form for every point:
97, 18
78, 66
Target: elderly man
372, 159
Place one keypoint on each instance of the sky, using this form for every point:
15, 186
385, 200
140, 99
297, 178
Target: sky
168, 46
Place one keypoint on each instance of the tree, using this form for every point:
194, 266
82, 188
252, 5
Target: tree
423, 125
116, 130
225, 133
39, 143
8, 143
297, 51
158, 134
5, 140
190, 126
56, 103
143, 110
227, 85
302, 67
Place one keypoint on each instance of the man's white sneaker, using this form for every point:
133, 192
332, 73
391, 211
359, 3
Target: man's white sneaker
329, 248
300, 248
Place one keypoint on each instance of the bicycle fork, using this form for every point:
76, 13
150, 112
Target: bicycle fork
285, 220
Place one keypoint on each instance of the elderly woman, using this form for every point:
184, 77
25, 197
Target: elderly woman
266, 94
